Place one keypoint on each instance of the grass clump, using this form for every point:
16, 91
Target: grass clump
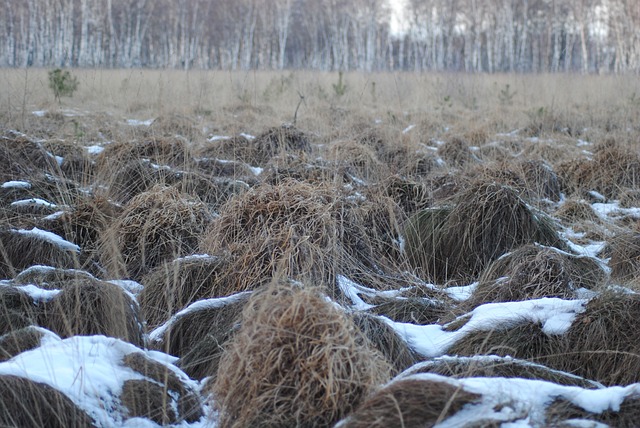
455, 244
297, 360
294, 229
94, 307
496, 366
603, 342
410, 402
533, 272
174, 285
199, 336
29, 404
155, 226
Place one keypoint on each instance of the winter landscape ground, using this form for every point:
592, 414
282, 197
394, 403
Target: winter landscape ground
313, 249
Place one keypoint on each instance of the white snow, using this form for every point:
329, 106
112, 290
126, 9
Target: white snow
461, 293
38, 294
193, 257
16, 185
32, 202
521, 402
613, 209
50, 237
213, 303
256, 170
88, 369
135, 122
131, 287
53, 216
554, 314
218, 138
39, 113
95, 149
407, 129
247, 136
352, 290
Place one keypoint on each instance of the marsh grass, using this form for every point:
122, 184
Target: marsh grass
445, 178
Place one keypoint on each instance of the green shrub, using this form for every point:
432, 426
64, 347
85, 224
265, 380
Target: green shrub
62, 83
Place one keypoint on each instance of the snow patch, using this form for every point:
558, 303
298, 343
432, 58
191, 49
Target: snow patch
50, 237
16, 185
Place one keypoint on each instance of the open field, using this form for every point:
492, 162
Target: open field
309, 249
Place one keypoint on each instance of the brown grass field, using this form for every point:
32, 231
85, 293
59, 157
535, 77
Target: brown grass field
289, 241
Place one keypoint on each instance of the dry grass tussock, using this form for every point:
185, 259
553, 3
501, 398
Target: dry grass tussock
487, 220
259, 150
563, 413
524, 340
386, 341
622, 166
533, 272
20, 250
161, 396
28, 404
174, 285
154, 227
18, 341
410, 402
623, 250
295, 229
94, 307
602, 343
21, 157
495, 366
199, 337
297, 360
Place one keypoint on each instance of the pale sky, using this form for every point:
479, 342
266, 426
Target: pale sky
397, 17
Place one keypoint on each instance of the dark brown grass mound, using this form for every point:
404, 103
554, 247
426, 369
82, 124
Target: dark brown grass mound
612, 169
541, 179
410, 403
297, 360
294, 229
533, 272
214, 191
20, 250
155, 226
21, 158
603, 342
135, 177
386, 341
488, 220
83, 223
146, 399
163, 151
51, 278
12, 344
24, 403
414, 310
576, 210
272, 142
456, 153
494, 366
174, 285
359, 157
410, 195
166, 393
301, 167
562, 411
198, 338
624, 252
94, 307
525, 341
